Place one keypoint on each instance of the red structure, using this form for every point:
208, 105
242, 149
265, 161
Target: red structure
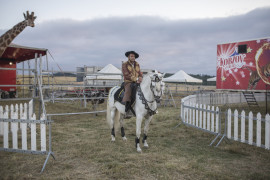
15, 54
244, 65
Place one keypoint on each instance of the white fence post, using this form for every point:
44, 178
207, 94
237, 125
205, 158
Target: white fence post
43, 133
267, 131
229, 126
250, 128
193, 111
213, 119
190, 111
200, 115
6, 130
235, 133
204, 117
186, 115
259, 127
14, 126
24, 128
208, 118
33, 134
197, 115
243, 125
30, 112
21, 114
1, 123
217, 120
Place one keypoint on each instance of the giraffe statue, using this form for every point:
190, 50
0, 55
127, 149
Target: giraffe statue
8, 37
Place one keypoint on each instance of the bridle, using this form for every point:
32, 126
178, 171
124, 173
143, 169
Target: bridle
156, 98
156, 79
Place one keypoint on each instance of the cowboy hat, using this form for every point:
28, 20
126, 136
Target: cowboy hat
132, 52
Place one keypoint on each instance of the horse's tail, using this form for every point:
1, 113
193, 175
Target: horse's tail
117, 113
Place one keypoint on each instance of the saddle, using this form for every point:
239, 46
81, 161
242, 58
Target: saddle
119, 94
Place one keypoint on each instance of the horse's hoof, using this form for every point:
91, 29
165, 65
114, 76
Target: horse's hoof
138, 148
113, 138
145, 145
124, 138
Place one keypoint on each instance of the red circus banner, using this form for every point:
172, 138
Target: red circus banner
244, 65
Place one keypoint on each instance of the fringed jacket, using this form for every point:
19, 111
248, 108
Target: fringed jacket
131, 72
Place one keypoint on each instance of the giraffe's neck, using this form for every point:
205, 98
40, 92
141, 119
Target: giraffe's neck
8, 37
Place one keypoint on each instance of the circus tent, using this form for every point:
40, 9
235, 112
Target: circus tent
182, 76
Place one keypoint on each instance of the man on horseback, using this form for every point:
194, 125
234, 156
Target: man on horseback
132, 74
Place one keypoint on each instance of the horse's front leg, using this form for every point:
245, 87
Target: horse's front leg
146, 128
122, 127
138, 132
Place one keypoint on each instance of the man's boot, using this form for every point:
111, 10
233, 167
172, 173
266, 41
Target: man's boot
128, 113
127, 106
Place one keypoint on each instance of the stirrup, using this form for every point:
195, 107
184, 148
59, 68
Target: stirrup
128, 114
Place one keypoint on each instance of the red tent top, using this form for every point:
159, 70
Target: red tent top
19, 53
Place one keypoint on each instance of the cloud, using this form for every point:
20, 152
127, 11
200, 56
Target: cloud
166, 45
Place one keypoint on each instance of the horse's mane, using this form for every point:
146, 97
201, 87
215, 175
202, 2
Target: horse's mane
147, 76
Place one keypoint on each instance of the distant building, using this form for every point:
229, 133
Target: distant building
86, 70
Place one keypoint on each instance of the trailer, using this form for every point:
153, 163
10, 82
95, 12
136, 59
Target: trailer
13, 55
244, 65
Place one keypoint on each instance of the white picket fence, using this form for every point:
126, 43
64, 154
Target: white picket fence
208, 118
200, 116
244, 130
18, 126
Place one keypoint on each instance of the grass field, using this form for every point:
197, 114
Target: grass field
83, 150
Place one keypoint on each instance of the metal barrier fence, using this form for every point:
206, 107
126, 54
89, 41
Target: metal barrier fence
218, 98
212, 120
14, 120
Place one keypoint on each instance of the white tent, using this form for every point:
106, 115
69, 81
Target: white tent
181, 76
107, 69
104, 79
212, 79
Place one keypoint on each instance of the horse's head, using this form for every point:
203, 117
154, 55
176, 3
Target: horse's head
157, 86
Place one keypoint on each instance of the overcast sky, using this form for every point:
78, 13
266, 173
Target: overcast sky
169, 35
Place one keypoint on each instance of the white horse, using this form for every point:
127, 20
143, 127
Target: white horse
148, 93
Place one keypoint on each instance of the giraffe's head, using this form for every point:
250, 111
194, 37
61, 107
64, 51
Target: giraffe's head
30, 18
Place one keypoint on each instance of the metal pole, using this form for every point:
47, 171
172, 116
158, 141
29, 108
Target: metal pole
40, 84
35, 83
29, 74
50, 134
23, 78
52, 85
40, 69
266, 99
50, 146
47, 68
